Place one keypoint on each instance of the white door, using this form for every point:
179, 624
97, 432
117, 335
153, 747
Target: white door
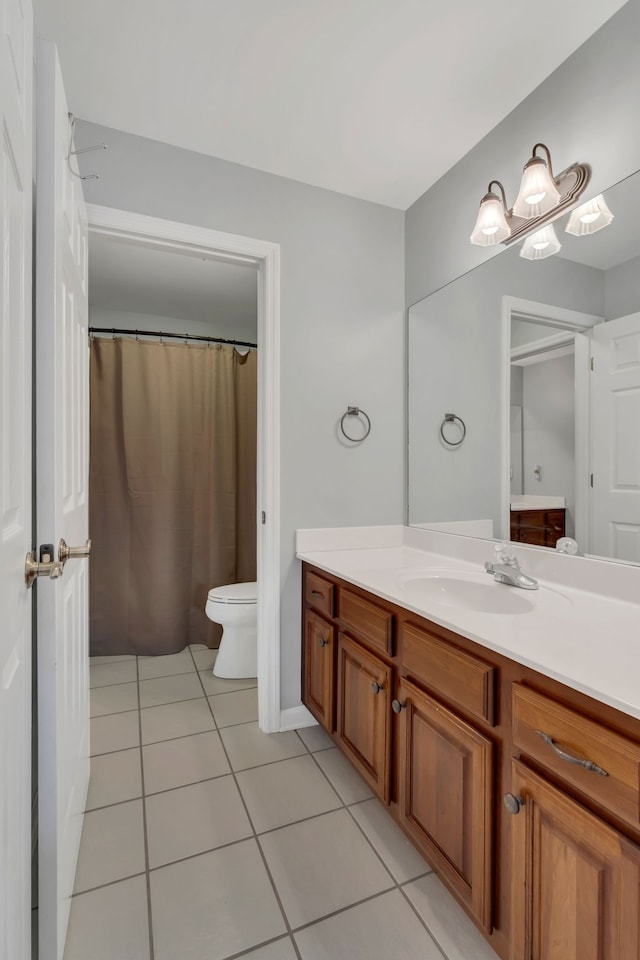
62, 457
615, 439
16, 122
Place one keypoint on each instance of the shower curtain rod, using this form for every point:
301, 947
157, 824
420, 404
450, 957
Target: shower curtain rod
172, 336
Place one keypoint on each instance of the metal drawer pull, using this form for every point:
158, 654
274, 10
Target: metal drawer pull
323, 642
587, 764
376, 687
513, 803
316, 593
397, 706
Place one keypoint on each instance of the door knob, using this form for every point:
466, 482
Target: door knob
397, 706
68, 553
513, 803
49, 568
376, 687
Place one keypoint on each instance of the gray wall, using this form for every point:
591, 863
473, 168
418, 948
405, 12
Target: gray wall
548, 428
585, 111
622, 289
456, 365
342, 329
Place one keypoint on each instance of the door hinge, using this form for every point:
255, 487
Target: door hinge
591, 479
592, 363
263, 517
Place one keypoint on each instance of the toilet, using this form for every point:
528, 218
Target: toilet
234, 606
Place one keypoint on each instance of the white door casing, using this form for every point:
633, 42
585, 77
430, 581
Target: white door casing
615, 439
62, 460
16, 116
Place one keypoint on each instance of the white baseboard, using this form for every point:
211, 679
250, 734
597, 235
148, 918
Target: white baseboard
295, 717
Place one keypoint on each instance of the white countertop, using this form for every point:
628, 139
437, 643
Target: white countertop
531, 502
585, 639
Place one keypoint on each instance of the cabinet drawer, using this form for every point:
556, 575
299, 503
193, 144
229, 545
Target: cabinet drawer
372, 623
615, 783
319, 593
451, 673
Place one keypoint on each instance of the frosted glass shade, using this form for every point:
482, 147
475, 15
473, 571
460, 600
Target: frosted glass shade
590, 217
538, 191
544, 243
491, 226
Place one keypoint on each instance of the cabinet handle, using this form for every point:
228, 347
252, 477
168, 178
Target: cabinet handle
397, 706
316, 593
513, 803
569, 757
323, 642
376, 687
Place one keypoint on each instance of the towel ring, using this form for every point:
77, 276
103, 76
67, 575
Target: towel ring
453, 418
355, 412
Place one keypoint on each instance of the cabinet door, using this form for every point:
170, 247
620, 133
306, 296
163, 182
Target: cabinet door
445, 776
364, 713
575, 884
318, 669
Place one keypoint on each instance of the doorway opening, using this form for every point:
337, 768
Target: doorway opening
148, 234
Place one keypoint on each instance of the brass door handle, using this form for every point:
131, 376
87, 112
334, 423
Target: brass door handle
32, 569
68, 553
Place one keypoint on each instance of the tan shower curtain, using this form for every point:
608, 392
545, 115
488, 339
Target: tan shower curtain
172, 490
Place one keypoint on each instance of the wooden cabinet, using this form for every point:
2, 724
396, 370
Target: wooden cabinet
541, 528
575, 880
445, 803
442, 729
318, 668
363, 724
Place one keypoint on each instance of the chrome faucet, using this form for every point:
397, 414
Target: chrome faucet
506, 569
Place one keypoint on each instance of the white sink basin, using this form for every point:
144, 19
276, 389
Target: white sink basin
477, 592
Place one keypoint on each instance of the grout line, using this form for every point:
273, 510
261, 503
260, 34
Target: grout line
109, 883
422, 920
144, 827
247, 954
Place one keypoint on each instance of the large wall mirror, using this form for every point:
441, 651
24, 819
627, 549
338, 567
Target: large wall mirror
524, 392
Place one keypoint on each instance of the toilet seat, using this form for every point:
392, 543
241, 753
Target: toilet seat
234, 593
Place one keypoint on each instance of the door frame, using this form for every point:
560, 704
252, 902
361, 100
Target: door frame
153, 232
571, 324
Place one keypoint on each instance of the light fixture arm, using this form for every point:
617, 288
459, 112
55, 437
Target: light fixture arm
498, 184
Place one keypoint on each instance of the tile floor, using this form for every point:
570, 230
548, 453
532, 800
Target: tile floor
205, 839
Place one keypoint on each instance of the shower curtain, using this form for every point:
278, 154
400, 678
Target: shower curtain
172, 490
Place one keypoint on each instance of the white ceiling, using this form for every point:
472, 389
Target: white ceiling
210, 297
373, 98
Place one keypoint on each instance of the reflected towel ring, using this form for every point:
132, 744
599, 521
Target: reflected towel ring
453, 418
355, 412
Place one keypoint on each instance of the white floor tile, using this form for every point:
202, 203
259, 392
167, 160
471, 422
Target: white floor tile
280, 950
322, 865
231, 708
175, 720
213, 906
118, 731
190, 820
385, 928
315, 738
113, 699
284, 792
183, 686
214, 685
112, 845
104, 674
204, 658
390, 843
114, 659
114, 777
345, 780
174, 663
248, 746
175, 763
110, 924
448, 923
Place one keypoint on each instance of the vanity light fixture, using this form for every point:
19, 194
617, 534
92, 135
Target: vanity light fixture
541, 244
542, 198
592, 216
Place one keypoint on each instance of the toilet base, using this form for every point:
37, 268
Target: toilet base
237, 657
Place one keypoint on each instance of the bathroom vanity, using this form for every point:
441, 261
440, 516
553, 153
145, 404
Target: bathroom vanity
498, 730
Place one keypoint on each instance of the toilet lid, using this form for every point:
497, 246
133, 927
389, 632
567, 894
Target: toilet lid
235, 593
